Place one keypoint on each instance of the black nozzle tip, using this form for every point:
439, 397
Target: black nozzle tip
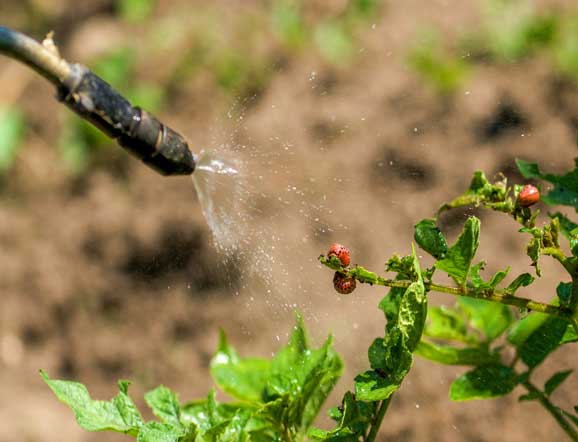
169, 161
173, 156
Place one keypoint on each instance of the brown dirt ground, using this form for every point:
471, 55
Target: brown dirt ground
115, 276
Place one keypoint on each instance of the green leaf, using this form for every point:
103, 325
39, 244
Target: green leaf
283, 376
11, 134
479, 184
165, 405
337, 435
284, 399
206, 414
119, 414
389, 304
239, 425
157, 432
564, 293
244, 379
490, 318
404, 267
528, 325
528, 170
566, 225
377, 354
412, 314
448, 355
391, 356
478, 282
326, 369
483, 382
306, 376
544, 237
398, 359
555, 381
238, 428
569, 336
446, 323
277, 411
536, 336
565, 190
458, 259
523, 280
373, 386
125, 405
574, 241
542, 341
284, 394
429, 237
522, 329
335, 413
230, 422
533, 251
354, 421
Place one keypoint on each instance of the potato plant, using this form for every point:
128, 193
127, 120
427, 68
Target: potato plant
499, 336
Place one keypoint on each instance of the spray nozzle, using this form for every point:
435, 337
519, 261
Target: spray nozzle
156, 144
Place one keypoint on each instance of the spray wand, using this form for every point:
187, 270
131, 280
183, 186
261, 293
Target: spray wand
157, 145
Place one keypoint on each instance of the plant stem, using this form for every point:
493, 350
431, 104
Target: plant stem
378, 418
553, 410
574, 303
502, 297
495, 295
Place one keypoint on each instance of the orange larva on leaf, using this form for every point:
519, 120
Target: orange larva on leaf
343, 284
341, 252
528, 196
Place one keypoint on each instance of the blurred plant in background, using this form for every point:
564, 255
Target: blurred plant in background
11, 134
437, 65
136, 11
510, 31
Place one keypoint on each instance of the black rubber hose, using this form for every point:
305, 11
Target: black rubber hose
157, 145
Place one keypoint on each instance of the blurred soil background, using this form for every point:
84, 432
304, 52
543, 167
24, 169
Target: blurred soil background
357, 118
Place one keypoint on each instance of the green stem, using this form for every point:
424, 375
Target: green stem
574, 303
503, 297
495, 295
553, 410
378, 418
